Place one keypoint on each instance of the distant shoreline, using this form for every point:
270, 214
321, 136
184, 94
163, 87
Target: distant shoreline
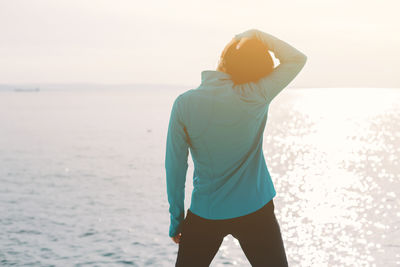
57, 87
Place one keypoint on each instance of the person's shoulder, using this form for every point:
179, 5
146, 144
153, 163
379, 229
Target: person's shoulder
186, 97
184, 101
189, 93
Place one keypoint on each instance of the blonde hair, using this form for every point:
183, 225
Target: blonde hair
248, 63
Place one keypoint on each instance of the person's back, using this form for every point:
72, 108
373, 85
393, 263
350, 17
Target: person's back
222, 123
225, 132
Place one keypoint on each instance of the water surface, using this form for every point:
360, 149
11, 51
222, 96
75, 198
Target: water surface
82, 180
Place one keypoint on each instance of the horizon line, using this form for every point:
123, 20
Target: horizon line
36, 84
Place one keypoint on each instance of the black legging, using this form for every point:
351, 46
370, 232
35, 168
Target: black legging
258, 234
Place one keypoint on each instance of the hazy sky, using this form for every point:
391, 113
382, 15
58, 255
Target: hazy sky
348, 42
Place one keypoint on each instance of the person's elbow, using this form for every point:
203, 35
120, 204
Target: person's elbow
304, 59
301, 58
298, 60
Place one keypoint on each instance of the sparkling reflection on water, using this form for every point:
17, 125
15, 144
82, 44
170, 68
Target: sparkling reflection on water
338, 176
82, 180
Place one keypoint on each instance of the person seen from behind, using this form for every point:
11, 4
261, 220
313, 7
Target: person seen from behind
222, 123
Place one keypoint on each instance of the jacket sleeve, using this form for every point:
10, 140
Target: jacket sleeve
176, 167
291, 62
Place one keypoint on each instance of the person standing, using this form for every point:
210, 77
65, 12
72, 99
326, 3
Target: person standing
222, 123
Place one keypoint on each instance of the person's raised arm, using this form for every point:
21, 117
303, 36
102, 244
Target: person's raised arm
291, 63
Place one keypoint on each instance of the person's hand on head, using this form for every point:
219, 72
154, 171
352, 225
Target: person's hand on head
241, 41
251, 33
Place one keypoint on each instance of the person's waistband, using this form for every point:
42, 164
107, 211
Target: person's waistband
268, 206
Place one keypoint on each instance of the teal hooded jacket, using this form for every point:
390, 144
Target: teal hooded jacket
222, 124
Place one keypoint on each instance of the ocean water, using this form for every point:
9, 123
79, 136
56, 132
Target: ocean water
82, 179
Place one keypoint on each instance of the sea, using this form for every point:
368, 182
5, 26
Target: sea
82, 178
